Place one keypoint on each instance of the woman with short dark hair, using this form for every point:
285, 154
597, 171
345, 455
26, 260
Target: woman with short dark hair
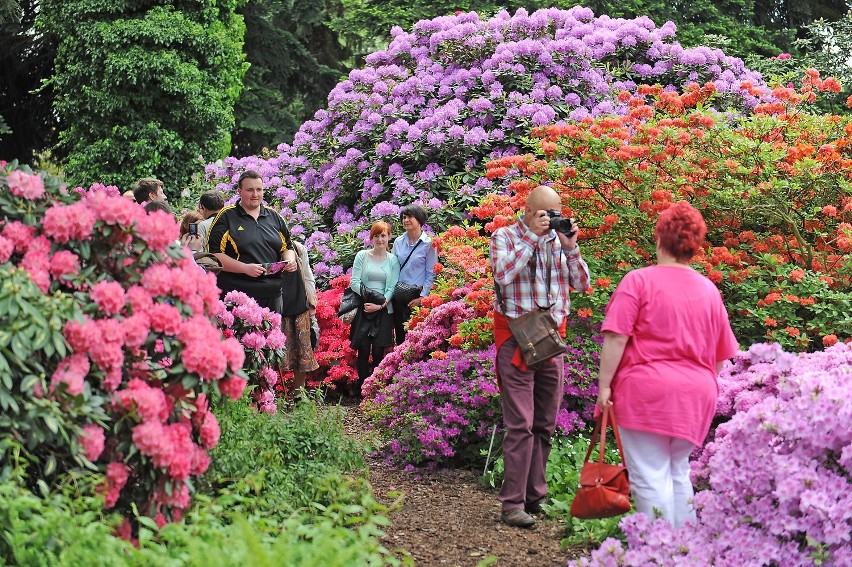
417, 259
666, 335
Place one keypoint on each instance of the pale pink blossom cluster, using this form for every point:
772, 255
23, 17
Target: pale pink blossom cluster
26, 185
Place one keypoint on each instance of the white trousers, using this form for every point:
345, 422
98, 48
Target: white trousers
658, 467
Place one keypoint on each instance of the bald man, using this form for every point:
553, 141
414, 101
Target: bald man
521, 257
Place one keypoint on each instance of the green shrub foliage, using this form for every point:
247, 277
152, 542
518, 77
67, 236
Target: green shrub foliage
144, 88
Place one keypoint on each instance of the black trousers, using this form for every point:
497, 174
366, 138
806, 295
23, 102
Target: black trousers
363, 363
401, 315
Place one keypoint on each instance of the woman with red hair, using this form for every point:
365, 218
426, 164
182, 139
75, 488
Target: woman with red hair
374, 275
666, 335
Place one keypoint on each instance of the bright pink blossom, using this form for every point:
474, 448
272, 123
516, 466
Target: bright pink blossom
63, 263
139, 298
205, 359
116, 477
179, 497
165, 318
26, 185
78, 333
63, 223
233, 351
148, 402
158, 229
136, 330
254, 340
275, 339
72, 372
209, 431
109, 296
114, 210
232, 387
20, 234
6, 249
92, 440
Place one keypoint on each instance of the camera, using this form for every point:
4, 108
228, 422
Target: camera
193, 229
560, 223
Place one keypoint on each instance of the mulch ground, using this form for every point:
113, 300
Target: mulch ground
447, 518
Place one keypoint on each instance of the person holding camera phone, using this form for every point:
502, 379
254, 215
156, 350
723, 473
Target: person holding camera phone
189, 231
249, 236
539, 249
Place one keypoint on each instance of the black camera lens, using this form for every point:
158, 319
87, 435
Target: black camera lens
560, 223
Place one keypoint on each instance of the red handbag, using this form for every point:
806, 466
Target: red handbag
604, 489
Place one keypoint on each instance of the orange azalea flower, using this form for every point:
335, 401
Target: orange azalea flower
438, 268
770, 322
829, 340
603, 282
456, 341
584, 312
793, 331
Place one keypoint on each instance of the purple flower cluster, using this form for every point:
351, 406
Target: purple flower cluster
779, 480
435, 407
429, 336
412, 124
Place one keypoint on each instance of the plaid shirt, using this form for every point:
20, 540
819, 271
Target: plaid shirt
512, 249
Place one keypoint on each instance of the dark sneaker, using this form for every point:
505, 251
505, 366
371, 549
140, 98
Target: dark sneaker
533, 507
517, 518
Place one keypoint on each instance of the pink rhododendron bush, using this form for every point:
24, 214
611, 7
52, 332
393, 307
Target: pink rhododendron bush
259, 331
778, 474
135, 341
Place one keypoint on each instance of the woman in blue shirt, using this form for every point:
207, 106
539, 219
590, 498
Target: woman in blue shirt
417, 259
374, 275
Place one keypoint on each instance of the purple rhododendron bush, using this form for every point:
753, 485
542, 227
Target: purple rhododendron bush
417, 121
136, 342
778, 474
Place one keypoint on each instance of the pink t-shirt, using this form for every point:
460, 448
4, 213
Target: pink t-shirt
679, 330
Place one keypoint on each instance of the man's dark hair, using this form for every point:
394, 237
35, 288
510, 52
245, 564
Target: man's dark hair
143, 189
415, 211
247, 174
212, 200
152, 206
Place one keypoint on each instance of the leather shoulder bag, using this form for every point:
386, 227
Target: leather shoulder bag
536, 332
604, 489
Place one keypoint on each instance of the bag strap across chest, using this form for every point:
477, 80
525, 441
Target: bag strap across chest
532, 264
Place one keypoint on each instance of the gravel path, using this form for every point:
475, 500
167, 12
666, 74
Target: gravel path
447, 518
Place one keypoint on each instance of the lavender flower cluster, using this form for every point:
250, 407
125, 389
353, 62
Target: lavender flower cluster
779, 480
434, 408
412, 124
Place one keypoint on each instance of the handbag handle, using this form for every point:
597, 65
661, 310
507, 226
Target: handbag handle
601, 424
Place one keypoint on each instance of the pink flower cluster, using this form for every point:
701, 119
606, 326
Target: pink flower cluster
779, 480
27, 185
259, 331
430, 335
